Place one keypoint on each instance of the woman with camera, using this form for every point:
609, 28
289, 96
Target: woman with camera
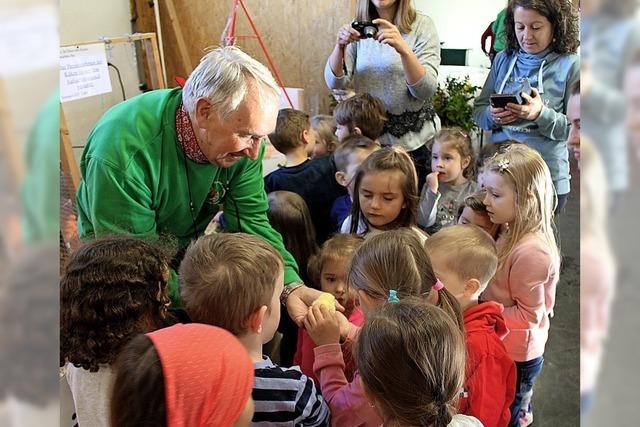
392, 52
540, 58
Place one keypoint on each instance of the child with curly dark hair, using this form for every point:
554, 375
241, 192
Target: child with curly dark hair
112, 289
540, 63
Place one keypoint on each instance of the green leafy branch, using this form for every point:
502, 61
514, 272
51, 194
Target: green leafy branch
453, 103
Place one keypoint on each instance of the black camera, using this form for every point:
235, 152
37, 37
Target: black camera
367, 30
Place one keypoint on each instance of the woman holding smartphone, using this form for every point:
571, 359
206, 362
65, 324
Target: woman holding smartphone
542, 40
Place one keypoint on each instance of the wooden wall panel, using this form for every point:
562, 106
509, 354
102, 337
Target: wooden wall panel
299, 35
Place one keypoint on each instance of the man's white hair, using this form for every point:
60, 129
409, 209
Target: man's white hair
221, 77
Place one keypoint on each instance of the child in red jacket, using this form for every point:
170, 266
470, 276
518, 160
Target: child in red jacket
464, 258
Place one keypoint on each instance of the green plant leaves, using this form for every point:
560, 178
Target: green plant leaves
453, 103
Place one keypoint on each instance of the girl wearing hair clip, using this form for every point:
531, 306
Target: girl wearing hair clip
520, 198
387, 268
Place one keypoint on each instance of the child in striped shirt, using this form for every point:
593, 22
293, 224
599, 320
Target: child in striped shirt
234, 281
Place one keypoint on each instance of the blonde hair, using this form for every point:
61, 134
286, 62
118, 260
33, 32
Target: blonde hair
404, 17
397, 260
411, 359
389, 159
324, 125
459, 140
535, 198
471, 252
224, 278
339, 247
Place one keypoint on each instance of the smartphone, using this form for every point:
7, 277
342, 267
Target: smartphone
500, 100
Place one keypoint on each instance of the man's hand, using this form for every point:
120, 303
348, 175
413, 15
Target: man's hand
299, 301
322, 326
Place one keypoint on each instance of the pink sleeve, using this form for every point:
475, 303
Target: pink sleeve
346, 400
353, 332
530, 269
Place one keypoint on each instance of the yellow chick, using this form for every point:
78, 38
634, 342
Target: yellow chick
328, 300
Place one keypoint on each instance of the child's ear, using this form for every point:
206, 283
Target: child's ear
357, 130
466, 162
341, 178
256, 318
471, 287
306, 136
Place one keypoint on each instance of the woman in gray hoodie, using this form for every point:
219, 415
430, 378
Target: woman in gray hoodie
542, 40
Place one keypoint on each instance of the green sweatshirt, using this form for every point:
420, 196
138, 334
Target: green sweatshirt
136, 179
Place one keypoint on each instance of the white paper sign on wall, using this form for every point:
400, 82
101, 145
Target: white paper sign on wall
84, 71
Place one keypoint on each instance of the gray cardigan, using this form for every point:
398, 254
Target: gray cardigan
376, 68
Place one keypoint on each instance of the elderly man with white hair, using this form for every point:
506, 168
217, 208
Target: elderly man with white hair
161, 164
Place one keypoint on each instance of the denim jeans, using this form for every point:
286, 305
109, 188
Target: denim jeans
527, 373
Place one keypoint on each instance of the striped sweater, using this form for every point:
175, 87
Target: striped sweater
286, 397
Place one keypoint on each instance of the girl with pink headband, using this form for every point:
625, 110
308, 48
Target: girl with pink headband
189, 375
389, 267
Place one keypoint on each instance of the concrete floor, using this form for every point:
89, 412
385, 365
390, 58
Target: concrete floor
556, 397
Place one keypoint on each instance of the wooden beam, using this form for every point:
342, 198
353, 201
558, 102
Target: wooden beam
153, 61
120, 39
69, 165
182, 47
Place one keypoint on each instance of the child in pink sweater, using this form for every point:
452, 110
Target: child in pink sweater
520, 197
388, 267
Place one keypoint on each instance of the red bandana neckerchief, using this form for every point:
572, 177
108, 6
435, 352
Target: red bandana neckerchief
187, 137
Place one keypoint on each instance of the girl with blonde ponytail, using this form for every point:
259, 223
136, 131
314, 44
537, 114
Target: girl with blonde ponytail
521, 199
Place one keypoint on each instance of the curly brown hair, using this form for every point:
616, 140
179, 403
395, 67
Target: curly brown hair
560, 13
112, 289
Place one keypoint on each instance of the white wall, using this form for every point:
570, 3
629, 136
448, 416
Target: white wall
460, 23
87, 20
